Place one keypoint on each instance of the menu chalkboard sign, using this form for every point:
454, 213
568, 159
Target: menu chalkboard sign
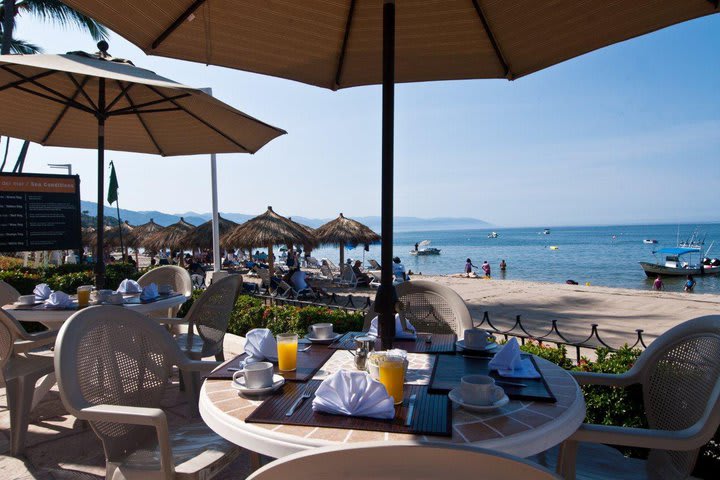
39, 212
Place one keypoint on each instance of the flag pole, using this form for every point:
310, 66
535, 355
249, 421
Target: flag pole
114, 194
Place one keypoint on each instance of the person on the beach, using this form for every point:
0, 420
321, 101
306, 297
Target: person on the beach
658, 283
468, 267
398, 271
503, 265
486, 269
363, 279
690, 284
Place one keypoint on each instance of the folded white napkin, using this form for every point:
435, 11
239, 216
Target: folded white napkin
399, 333
260, 345
509, 363
129, 286
42, 292
58, 300
150, 292
355, 394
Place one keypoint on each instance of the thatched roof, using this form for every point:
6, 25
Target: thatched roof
201, 236
345, 231
172, 236
268, 229
142, 233
89, 239
112, 235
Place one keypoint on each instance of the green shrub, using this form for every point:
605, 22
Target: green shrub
556, 355
23, 282
117, 272
69, 282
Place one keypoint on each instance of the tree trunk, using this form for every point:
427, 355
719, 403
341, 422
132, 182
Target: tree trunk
7, 31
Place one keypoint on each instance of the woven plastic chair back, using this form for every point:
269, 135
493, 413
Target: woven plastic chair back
210, 313
108, 355
173, 275
6, 344
681, 369
430, 308
8, 294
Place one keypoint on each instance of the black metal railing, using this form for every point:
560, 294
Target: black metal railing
332, 300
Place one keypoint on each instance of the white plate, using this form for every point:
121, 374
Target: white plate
34, 304
456, 398
490, 347
324, 341
239, 384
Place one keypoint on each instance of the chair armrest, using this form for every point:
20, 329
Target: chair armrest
173, 320
39, 336
606, 379
678, 440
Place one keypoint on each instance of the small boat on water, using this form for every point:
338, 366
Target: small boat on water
424, 248
546, 231
493, 235
678, 262
649, 241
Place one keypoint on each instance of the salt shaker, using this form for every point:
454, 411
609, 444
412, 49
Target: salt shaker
364, 345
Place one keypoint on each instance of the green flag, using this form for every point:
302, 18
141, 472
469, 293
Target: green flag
113, 187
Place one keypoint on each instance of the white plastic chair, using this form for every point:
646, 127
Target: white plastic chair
8, 294
112, 367
177, 277
430, 308
680, 378
312, 262
374, 264
401, 461
20, 374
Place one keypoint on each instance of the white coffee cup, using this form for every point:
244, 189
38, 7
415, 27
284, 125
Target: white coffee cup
103, 296
476, 338
26, 299
479, 390
321, 330
257, 375
164, 289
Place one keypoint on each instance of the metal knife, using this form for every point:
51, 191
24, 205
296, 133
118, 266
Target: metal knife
411, 409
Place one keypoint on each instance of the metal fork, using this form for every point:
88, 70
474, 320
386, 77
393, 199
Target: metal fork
306, 394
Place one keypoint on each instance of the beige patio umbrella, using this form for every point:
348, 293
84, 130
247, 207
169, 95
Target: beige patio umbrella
345, 231
267, 230
97, 101
142, 233
201, 236
172, 237
347, 43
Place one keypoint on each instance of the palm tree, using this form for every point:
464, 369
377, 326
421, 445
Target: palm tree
48, 10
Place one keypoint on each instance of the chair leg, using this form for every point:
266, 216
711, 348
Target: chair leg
42, 389
220, 356
567, 457
19, 396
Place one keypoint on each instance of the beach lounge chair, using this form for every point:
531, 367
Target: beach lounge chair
312, 262
348, 278
326, 273
430, 308
374, 264
20, 372
332, 266
172, 275
680, 378
402, 461
264, 275
112, 367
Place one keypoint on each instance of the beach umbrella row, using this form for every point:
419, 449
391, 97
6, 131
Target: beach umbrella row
345, 231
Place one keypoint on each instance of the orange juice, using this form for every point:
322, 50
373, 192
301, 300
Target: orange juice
392, 375
287, 344
83, 296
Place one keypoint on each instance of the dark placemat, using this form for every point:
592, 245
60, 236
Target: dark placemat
136, 300
432, 414
439, 343
449, 369
308, 363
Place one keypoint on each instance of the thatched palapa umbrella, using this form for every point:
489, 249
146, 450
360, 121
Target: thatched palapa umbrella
201, 236
267, 230
113, 237
345, 231
172, 237
142, 233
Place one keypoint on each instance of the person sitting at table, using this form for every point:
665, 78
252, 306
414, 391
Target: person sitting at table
399, 274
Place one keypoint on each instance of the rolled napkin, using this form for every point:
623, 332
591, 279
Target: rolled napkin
354, 394
509, 363
399, 332
129, 286
42, 292
260, 345
150, 292
58, 300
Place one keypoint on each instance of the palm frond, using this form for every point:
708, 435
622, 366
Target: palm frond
26, 48
57, 12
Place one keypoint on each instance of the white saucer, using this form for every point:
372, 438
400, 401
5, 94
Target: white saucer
324, 341
489, 348
455, 397
239, 384
34, 304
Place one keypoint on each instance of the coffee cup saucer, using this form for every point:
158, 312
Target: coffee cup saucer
323, 341
488, 348
456, 398
239, 384
28, 305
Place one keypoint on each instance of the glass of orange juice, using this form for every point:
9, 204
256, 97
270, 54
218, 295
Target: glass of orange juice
287, 344
392, 375
83, 295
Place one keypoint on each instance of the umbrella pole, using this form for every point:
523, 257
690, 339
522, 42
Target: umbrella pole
271, 263
386, 297
342, 257
100, 255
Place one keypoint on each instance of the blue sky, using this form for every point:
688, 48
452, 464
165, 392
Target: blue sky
627, 134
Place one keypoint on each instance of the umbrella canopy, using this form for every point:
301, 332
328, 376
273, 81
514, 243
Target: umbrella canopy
97, 101
172, 237
350, 43
345, 231
89, 239
112, 236
143, 232
201, 236
267, 230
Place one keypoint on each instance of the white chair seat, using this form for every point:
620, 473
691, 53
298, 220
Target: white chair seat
197, 452
194, 349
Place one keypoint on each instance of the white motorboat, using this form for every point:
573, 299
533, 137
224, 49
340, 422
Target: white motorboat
424, 248
493, 235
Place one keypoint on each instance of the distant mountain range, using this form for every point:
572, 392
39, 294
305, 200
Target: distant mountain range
402, 224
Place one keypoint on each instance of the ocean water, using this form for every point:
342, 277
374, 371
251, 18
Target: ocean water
605, 256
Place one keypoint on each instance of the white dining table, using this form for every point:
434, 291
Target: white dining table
53, 319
